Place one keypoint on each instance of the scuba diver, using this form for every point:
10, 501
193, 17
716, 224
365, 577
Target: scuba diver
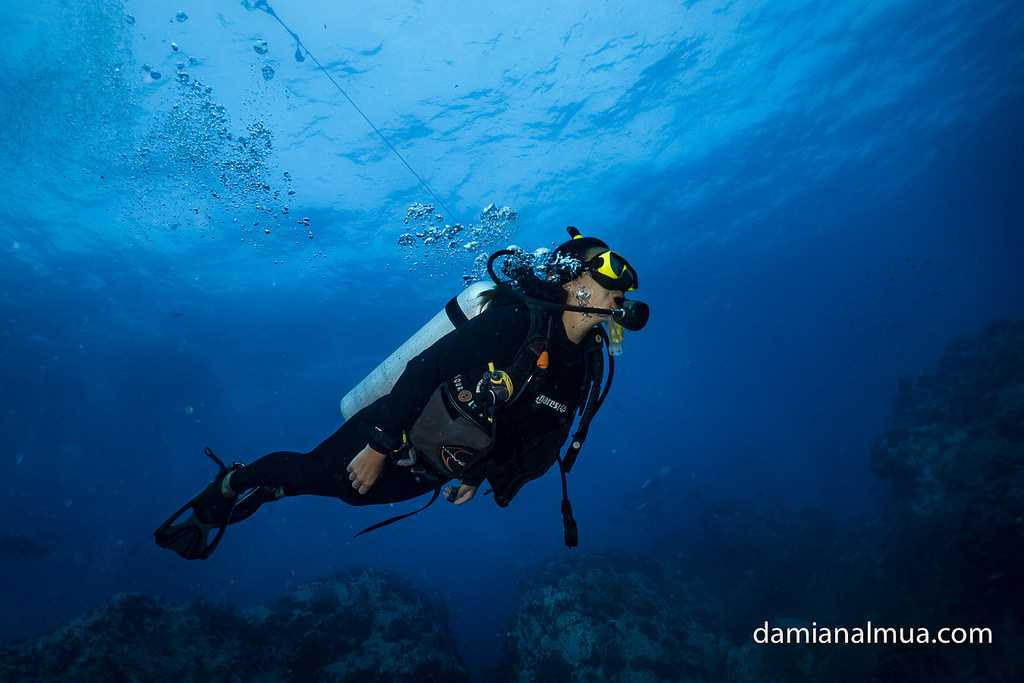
488, 389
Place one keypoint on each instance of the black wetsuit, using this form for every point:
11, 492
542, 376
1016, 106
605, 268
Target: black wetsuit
529, 432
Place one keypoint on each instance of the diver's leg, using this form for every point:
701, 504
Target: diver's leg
251, 501
238, 491
323, 472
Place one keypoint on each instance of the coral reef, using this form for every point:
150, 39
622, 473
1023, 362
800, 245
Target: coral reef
955, 458
610, 619
947, 548
350, 628
361, 626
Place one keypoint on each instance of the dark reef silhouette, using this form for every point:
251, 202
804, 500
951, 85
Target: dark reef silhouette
955, 457
353, 627
601, 618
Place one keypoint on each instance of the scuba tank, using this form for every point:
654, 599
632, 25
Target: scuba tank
382, 379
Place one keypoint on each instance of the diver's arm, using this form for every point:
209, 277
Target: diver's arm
494, 335
525, 463
475, 475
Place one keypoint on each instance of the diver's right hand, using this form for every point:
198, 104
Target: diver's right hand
365, 468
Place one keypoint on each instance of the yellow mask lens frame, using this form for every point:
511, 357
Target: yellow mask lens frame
612, 271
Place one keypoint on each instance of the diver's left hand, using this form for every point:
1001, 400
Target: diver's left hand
463, 495
365, 468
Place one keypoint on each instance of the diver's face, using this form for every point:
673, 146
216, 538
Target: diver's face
606, 298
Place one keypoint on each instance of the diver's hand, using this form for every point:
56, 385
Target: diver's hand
463, 495
365, 468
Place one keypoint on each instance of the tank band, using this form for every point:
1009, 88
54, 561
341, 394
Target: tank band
454, 312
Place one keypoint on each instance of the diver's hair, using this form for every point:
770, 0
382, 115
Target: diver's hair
487, 297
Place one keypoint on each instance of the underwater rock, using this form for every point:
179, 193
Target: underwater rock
359, 626
610, 619
133, 637
356, 626
946, 549
955, 459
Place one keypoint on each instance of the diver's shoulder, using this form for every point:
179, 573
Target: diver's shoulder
511, 317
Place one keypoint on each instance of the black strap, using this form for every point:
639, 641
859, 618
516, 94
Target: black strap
398, 518
571, 531
454, 311
592, 405
524, 365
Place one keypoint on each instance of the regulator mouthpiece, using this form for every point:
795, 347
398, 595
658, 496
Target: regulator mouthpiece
633, 315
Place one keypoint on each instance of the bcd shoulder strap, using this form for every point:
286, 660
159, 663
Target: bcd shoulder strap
594, 396
532, 357
591, 404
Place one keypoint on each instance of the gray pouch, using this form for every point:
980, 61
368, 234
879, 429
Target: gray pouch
447, 438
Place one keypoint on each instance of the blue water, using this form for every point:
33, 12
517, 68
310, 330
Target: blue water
818, 196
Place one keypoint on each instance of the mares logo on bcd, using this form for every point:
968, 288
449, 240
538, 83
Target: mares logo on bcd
454, 457
543, 400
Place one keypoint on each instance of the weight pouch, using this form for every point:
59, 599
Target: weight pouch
447, 437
